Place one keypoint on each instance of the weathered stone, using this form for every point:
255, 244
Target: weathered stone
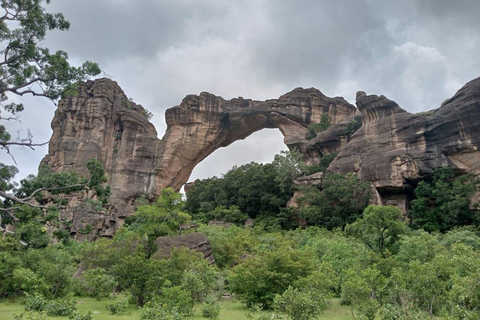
193, 241
393, 149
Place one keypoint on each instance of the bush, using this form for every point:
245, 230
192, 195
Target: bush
29, 315
316, 128
211, 308
158, 313
35, 302
300, 304
60, 308
119, 308
97, 283
78, 316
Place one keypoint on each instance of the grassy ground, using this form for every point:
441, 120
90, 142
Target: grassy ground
229, 311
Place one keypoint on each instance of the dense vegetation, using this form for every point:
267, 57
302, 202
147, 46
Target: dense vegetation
366, 256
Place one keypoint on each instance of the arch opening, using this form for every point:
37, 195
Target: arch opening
261, 146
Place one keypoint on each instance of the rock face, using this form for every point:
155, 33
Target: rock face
100, 122
193, 241
393, 149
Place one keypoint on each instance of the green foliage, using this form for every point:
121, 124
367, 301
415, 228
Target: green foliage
160, 219
211, 308
418, 246
118, 308
326, 160
379, 228
159, 313
53, 268
96, 283
231, 214
339, 201
464, 235
255, 189
300, 304
178, 299
35, 302
444, 201
315, 128
78, 316
60, 308
257, 280
353, 126
30, 315
143, 277
26, 65
229, 244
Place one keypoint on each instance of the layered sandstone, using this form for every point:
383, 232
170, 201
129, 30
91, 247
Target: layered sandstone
393, 149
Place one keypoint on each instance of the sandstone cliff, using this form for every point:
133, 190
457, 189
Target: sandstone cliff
393, 149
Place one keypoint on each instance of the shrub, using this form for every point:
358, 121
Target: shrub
158, 313
118, 308
35, 302
78, 316
316, 128
60, 308
211, 308
97, 283
29, 315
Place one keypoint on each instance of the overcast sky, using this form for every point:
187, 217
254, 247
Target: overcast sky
416, 52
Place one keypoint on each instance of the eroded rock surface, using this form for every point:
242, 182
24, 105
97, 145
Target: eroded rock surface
393, 149
193, 241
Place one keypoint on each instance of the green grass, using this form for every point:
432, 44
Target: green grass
229, 311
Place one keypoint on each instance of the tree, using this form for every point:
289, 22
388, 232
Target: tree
160, 219
379, 228
25, 212
339, 200
444, 201
259, 279
28, 68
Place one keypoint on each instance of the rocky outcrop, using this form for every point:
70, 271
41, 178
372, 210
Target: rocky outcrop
393, 149
101, 122
193, 241
201, 124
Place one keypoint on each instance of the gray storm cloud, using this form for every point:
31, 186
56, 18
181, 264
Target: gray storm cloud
415, 52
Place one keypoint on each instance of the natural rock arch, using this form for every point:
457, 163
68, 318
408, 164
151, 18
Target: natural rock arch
100, 122
202, 124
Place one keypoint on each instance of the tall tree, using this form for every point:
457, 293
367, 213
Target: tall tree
28, 68
444, 201
160, 219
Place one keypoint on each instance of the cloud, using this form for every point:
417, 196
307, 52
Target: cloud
415, 52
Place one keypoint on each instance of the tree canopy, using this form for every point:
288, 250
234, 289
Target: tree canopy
28, 68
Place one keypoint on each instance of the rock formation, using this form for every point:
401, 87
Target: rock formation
193, 241
393, 149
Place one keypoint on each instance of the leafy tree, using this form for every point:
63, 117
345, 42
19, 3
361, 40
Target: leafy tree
420, 246
229, 244
299, 304
339, 200
96, 283
29, 68
444, 201
27, 212
379, 228
259, 279
144, 278
363, 289
160, 219
255, 189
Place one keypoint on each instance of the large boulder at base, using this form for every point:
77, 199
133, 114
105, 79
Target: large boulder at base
193, 241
